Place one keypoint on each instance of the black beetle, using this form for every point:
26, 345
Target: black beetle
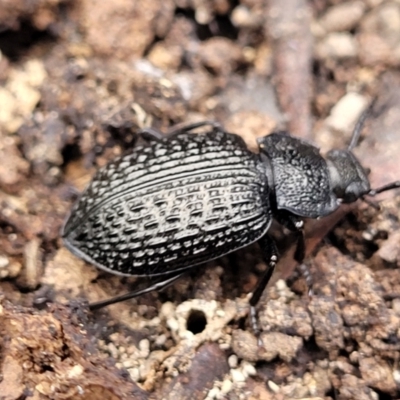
185, 199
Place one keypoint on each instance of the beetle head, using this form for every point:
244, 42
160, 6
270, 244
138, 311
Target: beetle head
348, 178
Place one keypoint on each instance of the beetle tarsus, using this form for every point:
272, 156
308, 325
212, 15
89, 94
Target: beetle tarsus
307, 275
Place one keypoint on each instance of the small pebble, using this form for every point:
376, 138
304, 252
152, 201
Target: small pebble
213, 393
134, 374
396, 376
233, 361
369, 234
167, 310
144, 347
227, 386
337, 46
237, 376
160, 340
273, 386
346, 111
354, 357
75, 371
173, 324
220, 313
343, 17
4, 261
248, 369
129, 363
281, 285
113, 350
396, 306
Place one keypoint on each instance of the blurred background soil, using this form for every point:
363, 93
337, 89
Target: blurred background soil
77, 81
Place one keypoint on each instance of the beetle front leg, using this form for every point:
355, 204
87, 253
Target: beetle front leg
270, 255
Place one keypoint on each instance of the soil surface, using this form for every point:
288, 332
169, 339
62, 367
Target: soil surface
78, 79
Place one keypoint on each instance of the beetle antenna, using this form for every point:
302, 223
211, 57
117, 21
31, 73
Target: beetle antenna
389, 186
360, 124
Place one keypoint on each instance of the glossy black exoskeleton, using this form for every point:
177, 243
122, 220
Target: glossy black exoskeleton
185, 199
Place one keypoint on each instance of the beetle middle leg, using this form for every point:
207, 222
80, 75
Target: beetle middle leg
270, 255
295, 224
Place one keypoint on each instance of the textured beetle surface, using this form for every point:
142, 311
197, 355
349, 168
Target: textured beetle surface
171, 204
301, 177
189, 198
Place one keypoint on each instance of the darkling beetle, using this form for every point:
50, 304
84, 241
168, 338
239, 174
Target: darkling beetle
185, 199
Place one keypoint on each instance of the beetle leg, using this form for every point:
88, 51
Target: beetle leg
270, 255
158, 285
152, 134
305, 271
187, 128
300, 251
296, 225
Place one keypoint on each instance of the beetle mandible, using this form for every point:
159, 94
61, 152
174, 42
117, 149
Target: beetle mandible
185, 199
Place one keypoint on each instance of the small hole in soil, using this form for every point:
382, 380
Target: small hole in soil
45, 368
14, 44
382, 395
196, 321
71, 152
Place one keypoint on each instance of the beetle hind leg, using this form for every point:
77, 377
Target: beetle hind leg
151, 134
160, 284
